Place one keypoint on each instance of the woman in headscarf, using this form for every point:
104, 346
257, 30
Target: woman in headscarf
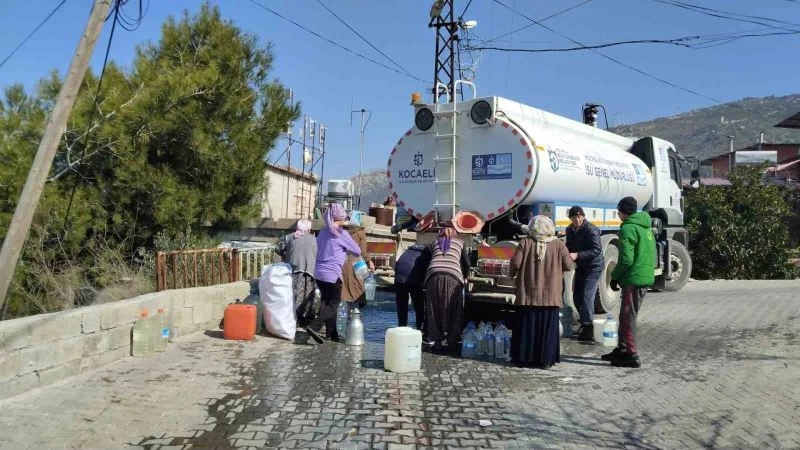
538, 265
333, 244
353, 291
444, 284
300, 250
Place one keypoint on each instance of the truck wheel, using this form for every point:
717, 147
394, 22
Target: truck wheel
608, 300
680, 266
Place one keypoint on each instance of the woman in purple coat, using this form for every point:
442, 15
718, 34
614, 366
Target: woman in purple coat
333, 245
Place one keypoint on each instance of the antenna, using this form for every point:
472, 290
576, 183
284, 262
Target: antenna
361, 158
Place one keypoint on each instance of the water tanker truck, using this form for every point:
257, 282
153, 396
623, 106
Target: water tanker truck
502, 160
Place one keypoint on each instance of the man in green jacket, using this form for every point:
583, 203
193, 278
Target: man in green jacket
635, 272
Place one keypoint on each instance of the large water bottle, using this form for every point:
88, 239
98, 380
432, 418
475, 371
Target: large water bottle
369, 288
162, 324
500, 332
489, 339
144, 335
481, 340
341, 319
361, 269
610, 332
469, 342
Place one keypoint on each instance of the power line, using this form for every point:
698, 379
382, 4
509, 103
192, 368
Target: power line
540, 20
94, 109
273, 12
642, 72
728, 15
365, 39
32, 32
705, 42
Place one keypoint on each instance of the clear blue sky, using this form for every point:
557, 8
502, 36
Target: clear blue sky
326, 78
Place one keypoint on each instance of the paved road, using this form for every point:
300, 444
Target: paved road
721, 369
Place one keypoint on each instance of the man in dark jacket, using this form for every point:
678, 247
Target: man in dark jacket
583, 243
409, 279
635, 272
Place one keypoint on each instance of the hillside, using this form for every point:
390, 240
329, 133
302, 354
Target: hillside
701, 132
704, 132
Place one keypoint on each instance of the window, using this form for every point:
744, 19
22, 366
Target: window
674, 167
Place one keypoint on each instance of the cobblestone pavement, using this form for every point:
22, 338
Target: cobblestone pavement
720, 369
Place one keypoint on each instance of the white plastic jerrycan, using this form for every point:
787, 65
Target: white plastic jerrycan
403, 350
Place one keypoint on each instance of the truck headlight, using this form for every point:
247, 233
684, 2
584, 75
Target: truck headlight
424, 119
481, 112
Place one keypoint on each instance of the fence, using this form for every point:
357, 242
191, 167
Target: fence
180, 269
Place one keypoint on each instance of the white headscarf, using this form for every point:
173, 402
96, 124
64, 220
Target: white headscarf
542, 230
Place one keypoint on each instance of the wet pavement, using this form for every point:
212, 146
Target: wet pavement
720, 369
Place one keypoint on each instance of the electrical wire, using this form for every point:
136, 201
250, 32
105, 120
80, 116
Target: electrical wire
728, 15
705, 42
616, 61
94, 109
365, 39
336, 44
540, 20
27, 38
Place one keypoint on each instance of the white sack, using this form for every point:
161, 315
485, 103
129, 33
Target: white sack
275, 289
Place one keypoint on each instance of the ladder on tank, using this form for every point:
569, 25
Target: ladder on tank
446, 203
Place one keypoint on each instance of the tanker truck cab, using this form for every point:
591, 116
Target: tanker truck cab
498, 159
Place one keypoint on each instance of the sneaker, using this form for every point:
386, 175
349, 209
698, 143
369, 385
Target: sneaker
586, 334
314, 335
615, 354
627, 360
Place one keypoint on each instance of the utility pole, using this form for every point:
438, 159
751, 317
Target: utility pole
361, 158
444, 20
34, 185
322, 132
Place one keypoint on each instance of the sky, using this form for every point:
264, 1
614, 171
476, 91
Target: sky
329, 81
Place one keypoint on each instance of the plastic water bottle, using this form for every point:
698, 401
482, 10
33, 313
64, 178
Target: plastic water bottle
610, 332
500, 340
342, 315
369, 288
143, 334
469, 342
489, 340
361, 269
561, 324
481, 339
507, 345
162, 325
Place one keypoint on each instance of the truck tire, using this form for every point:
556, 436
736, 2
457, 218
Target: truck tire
680, 266
608, 301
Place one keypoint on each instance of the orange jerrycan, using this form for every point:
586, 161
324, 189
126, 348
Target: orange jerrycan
239, 321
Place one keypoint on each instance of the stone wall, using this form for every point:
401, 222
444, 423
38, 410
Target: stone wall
42, 349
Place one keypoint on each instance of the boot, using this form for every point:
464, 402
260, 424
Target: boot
586, 333
627, 360
615, 354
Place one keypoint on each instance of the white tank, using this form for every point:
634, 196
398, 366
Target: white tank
524, 156
403, 350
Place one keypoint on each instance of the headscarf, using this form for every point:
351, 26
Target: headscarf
334, 212
543, 231
303, 227
445, 235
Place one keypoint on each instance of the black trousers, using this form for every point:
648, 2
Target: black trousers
401, 293
331, 294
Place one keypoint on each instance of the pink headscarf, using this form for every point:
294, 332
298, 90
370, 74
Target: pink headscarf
334, 212
303, 227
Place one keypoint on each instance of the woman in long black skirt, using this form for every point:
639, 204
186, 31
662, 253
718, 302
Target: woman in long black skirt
444, 285
538, 265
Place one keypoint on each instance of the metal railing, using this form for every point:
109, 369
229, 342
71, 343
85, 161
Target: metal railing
205, 267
